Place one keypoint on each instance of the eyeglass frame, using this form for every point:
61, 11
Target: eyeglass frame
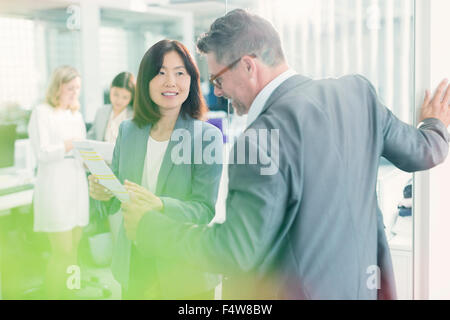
213, 78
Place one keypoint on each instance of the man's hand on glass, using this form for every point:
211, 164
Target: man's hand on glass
438, 106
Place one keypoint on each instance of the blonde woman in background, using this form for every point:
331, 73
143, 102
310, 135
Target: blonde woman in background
61, 202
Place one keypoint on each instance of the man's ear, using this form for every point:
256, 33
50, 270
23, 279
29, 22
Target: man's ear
249, 64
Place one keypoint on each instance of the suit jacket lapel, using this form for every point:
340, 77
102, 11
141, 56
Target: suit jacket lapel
167, 163
139, 152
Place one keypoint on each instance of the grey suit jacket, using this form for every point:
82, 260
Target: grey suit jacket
98, 129
188, 192
312, 230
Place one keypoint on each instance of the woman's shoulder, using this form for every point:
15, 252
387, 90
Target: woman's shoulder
197, 123
130, 112
77, 115
200, 129
128, 125
207, 127
43, 108
104, 108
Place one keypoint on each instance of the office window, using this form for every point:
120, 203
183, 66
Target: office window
19, 78
63, 47
331, 38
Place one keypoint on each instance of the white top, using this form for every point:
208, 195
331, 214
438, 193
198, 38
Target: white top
152, 163
112, 129
264, 95
61, 200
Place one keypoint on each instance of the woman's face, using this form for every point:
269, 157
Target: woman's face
170, 87
120, 98
69, 93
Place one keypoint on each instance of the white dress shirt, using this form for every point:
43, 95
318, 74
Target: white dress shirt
153, 161
112, 130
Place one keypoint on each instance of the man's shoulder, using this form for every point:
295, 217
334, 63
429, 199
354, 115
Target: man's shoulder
321, 90
352, 81
299, 95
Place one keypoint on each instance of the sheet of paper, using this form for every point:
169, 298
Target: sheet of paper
105, 149
98, 167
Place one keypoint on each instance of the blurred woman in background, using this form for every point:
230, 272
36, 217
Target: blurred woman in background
109, 117
106, 128
61, 207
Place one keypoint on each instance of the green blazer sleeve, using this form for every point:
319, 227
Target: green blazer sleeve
200, 205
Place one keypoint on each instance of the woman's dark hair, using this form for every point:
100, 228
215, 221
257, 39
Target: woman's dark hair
145, 109
125, 80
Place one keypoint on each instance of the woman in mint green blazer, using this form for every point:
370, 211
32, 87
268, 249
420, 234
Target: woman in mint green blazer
170, 161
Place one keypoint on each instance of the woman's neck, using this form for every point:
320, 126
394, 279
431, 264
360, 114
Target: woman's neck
162, 130
61, 107
117, 111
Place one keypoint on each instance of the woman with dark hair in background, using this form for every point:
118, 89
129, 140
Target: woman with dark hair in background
106, 128
168, 98
109, 117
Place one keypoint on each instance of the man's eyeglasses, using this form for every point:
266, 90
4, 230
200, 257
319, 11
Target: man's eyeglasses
214, 79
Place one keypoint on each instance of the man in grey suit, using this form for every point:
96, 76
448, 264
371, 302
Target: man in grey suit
311, 229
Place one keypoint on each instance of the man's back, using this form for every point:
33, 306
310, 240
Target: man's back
326, 235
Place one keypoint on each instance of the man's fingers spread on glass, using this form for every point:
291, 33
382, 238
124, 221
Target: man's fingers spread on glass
446, 99
440, 90
427, 99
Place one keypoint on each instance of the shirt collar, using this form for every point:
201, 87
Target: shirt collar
264, 95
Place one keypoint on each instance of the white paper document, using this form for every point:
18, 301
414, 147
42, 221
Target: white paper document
98, 167
105, 149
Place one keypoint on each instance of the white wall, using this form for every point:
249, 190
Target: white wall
440, 177
432, 190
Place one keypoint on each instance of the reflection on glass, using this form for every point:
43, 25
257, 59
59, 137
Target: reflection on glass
321, 38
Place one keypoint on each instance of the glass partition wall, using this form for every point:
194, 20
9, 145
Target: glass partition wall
321, 38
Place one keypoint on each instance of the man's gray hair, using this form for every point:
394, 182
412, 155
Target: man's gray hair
240, 33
